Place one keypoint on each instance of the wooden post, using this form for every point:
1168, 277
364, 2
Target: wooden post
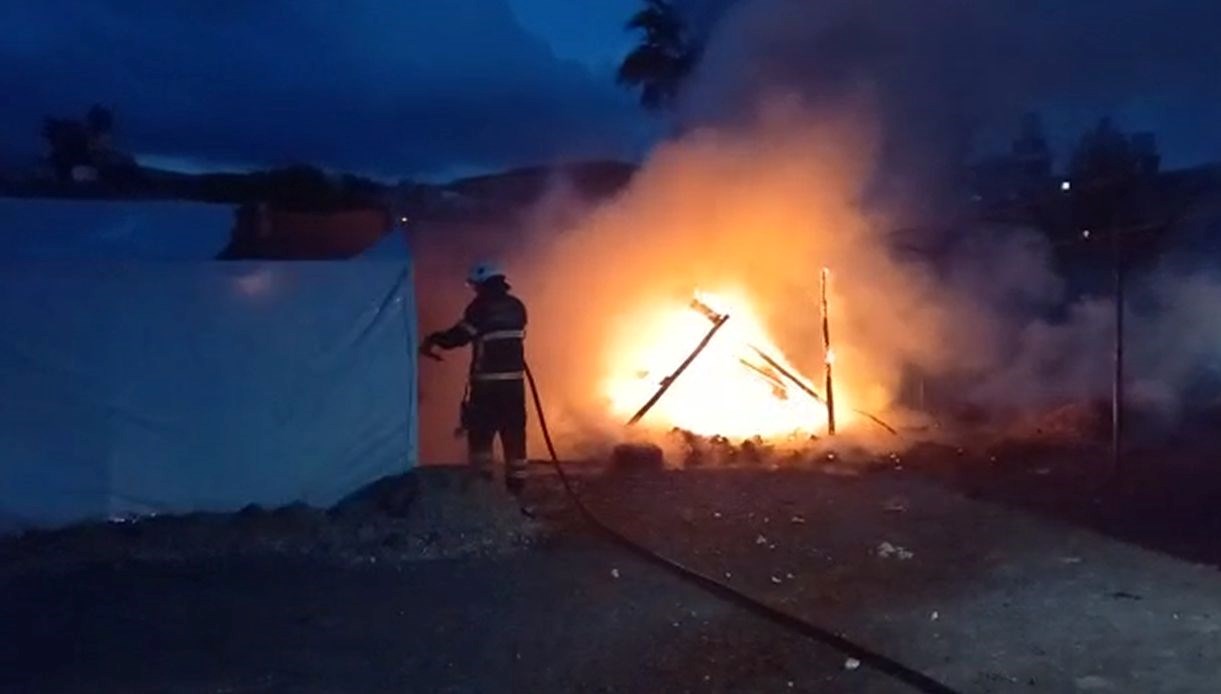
828, 356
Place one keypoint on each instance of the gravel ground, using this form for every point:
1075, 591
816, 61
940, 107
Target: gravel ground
1166, 497
567, 615
983, 598
420, 585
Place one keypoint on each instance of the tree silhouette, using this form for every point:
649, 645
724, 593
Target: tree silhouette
1104, 157
100, 120
67, 145
664, 57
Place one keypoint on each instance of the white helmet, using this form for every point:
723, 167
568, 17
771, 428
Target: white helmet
483, 271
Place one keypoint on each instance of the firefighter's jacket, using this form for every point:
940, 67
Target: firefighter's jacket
495, 325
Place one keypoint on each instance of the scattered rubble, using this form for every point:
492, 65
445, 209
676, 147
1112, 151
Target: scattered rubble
700, 452
895, 504
635, 457
887, 550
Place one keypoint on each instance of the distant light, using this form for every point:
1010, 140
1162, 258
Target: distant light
402, 220
1085, 234
1066, 185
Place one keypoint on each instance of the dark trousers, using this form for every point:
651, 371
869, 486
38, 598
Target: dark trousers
498, 408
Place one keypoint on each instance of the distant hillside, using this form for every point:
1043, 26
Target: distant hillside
307, 189
589, 179
486, 197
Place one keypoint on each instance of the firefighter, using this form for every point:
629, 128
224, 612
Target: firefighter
495, 404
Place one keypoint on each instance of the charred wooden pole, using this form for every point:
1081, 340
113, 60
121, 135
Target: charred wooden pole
829, 356
669, 380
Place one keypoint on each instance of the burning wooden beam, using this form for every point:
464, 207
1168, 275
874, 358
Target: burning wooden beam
778, 387
668, 381
711, 314
829, 356
787, 374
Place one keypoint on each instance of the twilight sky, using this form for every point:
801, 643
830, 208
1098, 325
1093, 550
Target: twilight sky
436, 88
397, 88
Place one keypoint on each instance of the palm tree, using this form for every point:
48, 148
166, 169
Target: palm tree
664, 57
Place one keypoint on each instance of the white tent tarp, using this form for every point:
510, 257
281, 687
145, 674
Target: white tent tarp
146, 382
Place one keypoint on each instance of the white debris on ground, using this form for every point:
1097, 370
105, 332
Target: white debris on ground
852, 664
887, 551
895, 504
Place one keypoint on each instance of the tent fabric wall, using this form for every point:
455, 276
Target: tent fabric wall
133, 387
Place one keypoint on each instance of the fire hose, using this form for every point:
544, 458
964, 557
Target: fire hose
886, 665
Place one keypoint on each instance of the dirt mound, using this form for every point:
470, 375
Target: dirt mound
421, 515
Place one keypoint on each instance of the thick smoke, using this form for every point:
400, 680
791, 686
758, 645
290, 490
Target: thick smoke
949, 76
810, 129
949, 80
760, 209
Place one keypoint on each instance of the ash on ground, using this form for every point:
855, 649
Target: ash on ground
437, 513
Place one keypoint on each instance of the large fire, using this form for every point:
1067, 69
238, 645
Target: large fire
750, 215
736, 387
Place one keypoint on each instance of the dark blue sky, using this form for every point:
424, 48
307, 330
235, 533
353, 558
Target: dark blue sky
402, 88
435, 88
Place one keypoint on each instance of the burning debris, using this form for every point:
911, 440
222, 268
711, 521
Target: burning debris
719, 451
732, 384
768, 371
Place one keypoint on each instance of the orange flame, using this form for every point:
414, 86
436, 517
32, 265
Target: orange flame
728, 390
